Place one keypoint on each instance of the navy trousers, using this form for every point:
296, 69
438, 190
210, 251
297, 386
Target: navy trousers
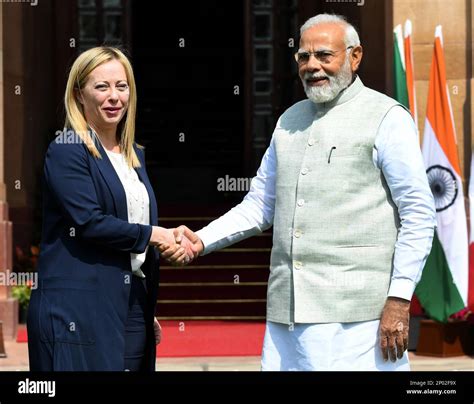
135, 330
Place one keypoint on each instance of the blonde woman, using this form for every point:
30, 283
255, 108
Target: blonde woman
98, 277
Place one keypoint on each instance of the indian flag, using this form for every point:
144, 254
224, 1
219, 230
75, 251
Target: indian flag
470, 299
409, 73
400, 91
404, 79
442, 289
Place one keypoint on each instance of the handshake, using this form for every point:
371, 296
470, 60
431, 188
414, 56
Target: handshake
178, 246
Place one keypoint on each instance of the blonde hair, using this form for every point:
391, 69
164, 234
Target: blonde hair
85, 63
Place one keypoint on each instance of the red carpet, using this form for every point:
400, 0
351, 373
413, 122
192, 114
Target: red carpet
211, 338
204, 338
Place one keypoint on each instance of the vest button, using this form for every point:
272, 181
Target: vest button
298, 265
297, 233
304, 171
300, 202
311, 142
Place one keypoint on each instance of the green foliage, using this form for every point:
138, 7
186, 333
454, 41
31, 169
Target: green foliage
22, 293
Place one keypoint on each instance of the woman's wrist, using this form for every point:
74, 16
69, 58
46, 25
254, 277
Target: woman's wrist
160, 235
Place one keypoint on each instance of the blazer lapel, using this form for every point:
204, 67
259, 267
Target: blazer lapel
115, 185
113, 182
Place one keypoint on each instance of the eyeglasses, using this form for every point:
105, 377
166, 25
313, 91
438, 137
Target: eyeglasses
323, 56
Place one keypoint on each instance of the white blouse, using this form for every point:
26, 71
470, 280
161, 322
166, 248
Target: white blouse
138, 202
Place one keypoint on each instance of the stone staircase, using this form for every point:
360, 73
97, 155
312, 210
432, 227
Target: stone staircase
229, 284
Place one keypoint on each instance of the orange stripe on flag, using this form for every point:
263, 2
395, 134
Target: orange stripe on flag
439, 110
410, 78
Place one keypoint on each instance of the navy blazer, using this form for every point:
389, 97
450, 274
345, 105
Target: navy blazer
77, 315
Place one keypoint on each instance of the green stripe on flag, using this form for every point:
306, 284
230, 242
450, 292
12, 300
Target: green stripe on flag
436, 290
399, 76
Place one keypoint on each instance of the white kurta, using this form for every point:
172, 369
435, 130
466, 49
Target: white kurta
138, 202
341, 346
326, 347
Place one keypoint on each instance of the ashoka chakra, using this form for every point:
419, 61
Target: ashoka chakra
443, 185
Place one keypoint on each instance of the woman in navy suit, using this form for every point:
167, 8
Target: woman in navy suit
98, 269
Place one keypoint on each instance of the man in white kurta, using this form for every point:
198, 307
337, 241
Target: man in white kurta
344, 186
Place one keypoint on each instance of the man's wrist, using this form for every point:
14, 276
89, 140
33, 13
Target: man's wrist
200, 246
397, 303
398, 299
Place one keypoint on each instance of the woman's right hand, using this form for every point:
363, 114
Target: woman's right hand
164, 240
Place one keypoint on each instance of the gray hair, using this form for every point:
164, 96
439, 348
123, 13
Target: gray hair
351, 38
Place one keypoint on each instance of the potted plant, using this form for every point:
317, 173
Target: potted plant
25, 263
22, 293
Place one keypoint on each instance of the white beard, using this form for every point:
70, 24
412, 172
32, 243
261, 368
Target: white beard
330, 90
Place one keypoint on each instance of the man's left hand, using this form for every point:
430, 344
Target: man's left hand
394, 328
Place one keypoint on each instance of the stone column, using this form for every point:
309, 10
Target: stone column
8, 305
